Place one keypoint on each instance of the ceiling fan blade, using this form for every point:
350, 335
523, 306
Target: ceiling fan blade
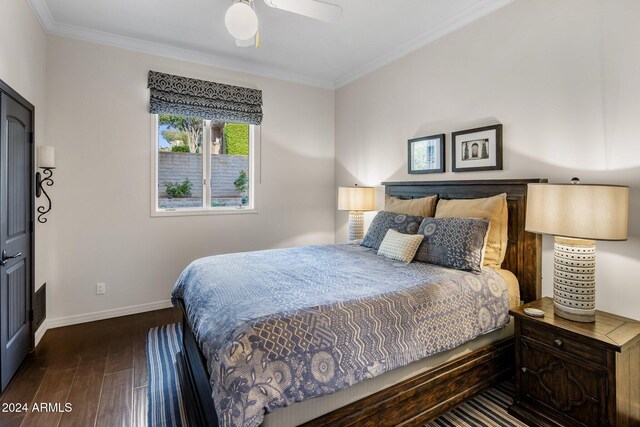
312, 8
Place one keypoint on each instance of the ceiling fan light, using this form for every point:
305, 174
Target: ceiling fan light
245, 43
241, 20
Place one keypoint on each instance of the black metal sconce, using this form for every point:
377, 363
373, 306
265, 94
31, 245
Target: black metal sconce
46, 163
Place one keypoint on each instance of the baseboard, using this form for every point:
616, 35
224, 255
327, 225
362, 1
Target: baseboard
40, 332
98, 315
105, 314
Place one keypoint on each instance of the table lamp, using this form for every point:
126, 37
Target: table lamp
577, 215
356, 200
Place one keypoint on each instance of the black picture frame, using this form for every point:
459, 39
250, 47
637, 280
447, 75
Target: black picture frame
485, 153
435, 141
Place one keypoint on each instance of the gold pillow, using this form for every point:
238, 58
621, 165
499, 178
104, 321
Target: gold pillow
423, 207
495, 210
400, 246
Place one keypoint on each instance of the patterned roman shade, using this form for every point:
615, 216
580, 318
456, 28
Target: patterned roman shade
187, 97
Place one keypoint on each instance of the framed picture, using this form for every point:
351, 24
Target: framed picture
426, 154
477, 149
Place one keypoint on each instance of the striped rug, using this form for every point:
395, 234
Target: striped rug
488, 409
165, 400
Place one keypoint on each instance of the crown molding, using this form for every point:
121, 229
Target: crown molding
43, 13
51, 26
472, 13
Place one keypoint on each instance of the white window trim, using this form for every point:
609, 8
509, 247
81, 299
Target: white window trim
254, 178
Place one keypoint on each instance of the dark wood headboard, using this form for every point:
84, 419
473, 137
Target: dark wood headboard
523, 257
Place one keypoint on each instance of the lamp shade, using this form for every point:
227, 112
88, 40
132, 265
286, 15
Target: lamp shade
595, 212
356, 198
46, 156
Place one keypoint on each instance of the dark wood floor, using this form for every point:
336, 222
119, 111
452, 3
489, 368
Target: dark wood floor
100, 368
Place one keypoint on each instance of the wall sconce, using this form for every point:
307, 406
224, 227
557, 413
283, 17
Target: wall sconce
46, 162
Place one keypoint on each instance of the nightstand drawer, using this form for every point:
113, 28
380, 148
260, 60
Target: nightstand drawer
564, 344
564, 384
576, 374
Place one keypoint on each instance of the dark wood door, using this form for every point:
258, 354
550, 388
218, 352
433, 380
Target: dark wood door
16, 209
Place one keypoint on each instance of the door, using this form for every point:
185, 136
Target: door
16, 209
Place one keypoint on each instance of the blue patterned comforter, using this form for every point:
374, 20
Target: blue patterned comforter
286, 325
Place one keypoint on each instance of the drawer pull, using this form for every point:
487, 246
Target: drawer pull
524, 369
558, 343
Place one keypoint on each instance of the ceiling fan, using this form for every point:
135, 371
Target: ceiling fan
241, 19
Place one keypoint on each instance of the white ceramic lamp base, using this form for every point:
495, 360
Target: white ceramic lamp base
356, 225
574, 279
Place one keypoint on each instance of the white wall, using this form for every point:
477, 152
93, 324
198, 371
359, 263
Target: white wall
563, 77
102, 232
22, 66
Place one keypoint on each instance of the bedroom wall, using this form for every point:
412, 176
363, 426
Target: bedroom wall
22, 66
563, 77
102, 231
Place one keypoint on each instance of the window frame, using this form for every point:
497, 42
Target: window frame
254, 177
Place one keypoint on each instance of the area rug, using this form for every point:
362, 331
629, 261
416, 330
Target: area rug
486, 409
166, 408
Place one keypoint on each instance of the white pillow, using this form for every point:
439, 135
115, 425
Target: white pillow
400, 246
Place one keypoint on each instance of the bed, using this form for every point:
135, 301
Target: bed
304, 315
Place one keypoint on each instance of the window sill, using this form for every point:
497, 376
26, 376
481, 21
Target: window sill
200, 212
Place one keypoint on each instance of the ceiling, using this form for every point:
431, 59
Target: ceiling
370, 34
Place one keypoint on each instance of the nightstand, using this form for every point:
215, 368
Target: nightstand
576, 374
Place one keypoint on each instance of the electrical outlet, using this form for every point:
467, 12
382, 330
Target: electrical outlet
101, 288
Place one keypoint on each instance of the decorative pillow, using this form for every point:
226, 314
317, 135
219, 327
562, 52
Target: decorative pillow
424, 206
453, 242
400, 246
407, 224
493, 208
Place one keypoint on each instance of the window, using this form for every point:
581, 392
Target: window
202, 166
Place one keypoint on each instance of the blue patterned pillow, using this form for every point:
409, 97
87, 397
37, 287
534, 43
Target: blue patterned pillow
384, 221
453, 242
